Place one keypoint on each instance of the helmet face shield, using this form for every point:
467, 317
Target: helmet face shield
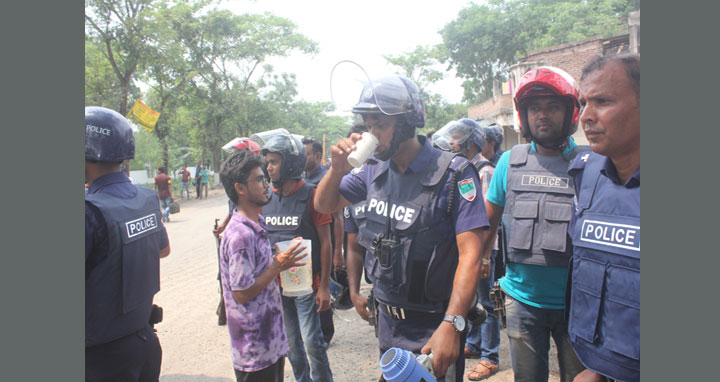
391, 95
457, 133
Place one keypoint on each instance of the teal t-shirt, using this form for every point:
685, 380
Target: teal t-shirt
204, 175
535, 285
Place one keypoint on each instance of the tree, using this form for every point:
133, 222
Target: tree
484, 40
227, 50
122, 26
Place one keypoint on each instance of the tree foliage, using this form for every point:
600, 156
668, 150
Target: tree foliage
484, 40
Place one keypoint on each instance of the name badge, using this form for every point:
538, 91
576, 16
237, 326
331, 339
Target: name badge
615, 235
545, 181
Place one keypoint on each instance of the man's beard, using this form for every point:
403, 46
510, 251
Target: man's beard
259, 202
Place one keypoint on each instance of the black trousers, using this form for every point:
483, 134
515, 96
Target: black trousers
135, 357
272, 373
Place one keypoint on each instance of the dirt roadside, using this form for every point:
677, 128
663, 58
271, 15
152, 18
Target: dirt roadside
195, 349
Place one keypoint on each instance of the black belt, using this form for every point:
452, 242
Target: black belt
402, 313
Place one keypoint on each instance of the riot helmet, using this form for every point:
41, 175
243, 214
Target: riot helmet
461, 132
340, 290
289, 147
493, 133
108, 136
548, 81
394, 95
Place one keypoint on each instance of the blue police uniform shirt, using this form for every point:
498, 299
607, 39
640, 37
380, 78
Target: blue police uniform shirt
96, 244
317, 175
535, 285
466, 214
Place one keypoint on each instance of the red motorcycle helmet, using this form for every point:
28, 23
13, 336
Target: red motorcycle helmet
548, 81
245, 143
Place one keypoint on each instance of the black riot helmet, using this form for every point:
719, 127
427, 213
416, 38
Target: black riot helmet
394, 95
494, 134
108, 136
340, 290
287, 145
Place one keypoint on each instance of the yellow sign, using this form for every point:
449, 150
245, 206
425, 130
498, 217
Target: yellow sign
143, 115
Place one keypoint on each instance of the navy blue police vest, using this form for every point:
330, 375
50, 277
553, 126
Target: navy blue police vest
538, 207
419, 276
356, 212
119, 290
287, 217
604, 317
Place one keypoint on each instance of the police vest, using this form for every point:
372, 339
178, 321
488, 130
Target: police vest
120, 289
419, 273
538, 207
356, 212
604, 312
287, 217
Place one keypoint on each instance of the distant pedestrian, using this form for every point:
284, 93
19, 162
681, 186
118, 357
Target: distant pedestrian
196, 180
204, 180
162, 185
185, 182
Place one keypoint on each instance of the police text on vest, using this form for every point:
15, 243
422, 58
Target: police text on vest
398, 213
282, 220
139, 226
612, 234
545, 181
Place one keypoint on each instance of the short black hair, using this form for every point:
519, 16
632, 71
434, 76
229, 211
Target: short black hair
236, 169
316, 146
629, 61
356, 128
162, 169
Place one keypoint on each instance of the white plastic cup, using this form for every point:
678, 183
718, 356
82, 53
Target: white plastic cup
297, 281
364, 148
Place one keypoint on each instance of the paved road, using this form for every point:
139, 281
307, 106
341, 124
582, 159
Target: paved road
195, 349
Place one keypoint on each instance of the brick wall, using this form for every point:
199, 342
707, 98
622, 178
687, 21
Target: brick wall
570, 57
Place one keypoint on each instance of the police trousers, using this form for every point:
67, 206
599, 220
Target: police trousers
135, 357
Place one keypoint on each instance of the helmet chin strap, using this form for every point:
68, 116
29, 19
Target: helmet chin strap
398, 138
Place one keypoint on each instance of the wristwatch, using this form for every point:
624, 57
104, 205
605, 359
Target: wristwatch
485, 260
457, 321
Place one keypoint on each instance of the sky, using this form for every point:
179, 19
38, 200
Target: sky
361, 31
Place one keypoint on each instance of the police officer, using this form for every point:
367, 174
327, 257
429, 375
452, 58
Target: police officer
605, 294
532, 194
354, 218
124, 241
494, 138
422, 226
483, 341
289, 214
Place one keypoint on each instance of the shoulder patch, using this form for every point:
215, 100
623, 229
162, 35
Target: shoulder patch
579, 162
467, 189
346, 212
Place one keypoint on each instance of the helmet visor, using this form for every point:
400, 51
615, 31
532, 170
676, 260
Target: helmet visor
386, 95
